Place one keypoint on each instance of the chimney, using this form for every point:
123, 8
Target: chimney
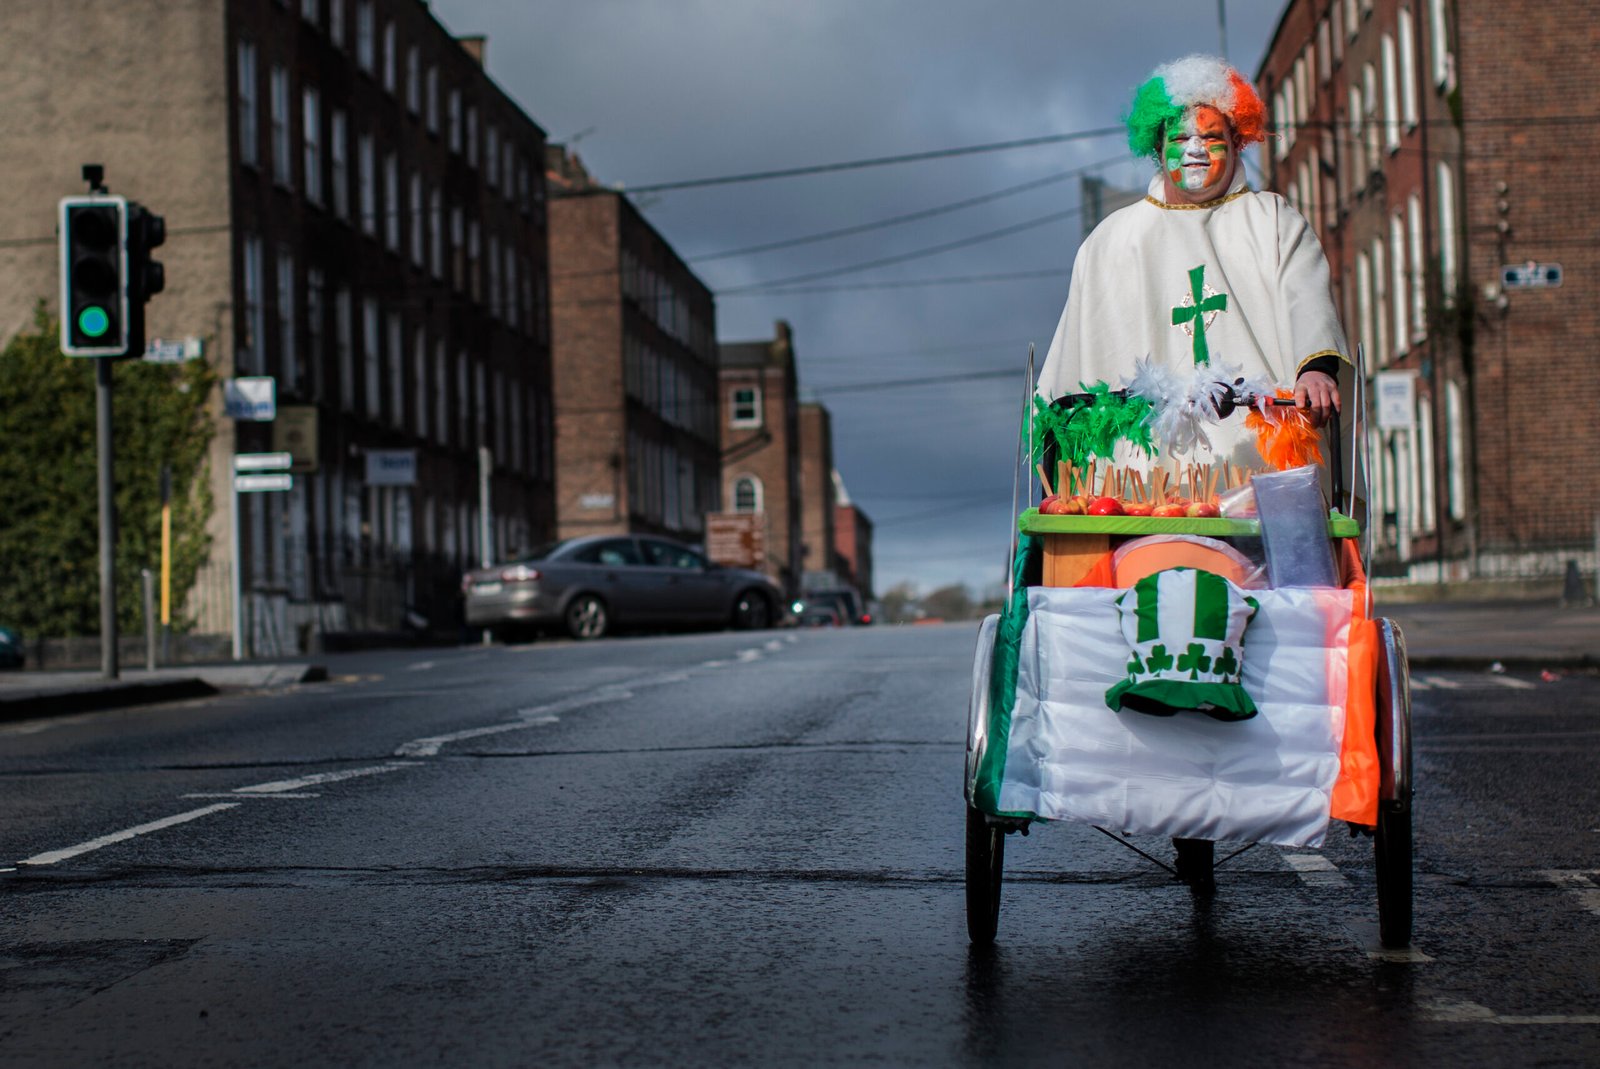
475, 46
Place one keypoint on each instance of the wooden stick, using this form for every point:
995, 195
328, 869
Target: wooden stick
1227, 475
1044, 480
1138, 486
1063, 478
1107, 488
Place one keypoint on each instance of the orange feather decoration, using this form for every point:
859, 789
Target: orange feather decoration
1287, 439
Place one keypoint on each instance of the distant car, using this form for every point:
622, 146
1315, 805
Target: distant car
843, 601
821, 616
11, 655
592, 585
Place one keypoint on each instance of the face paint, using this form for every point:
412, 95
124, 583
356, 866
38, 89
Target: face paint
1199, 152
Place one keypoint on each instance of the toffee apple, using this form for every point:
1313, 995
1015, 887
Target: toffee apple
1104, 506
1167, 511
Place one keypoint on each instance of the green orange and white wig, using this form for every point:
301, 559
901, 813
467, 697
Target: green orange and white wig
1190, 82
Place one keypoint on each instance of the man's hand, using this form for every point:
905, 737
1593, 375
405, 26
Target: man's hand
1318, 394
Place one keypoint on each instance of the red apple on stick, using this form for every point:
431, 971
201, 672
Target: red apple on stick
1105, 506
1167, 511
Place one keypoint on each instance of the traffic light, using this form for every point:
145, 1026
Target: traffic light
94, 297
146, 277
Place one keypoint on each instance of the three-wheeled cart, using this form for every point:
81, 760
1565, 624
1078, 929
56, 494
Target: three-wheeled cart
1367, 719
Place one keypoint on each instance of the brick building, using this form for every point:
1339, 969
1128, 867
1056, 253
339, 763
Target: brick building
852, 534
635, 379
354, 209
818, 564
1430, 142
759, 421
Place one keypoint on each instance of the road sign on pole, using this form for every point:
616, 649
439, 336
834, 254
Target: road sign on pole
262, 461
272, 477
250, 484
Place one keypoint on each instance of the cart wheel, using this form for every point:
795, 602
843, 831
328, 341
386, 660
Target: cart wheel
1392, 852
1196, 864
986, 856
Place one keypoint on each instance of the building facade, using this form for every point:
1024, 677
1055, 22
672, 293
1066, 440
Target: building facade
852, 533
1430, 144
635, 369
354, 210
759, 424
818, 559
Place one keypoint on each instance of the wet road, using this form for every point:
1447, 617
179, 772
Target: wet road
734, 849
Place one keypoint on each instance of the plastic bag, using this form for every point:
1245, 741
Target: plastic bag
1294, 528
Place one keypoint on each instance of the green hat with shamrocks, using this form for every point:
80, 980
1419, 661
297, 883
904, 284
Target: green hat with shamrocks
1186, 628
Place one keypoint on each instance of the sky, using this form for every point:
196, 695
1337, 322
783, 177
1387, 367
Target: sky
921, 361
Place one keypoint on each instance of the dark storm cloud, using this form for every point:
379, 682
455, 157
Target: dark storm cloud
662, 91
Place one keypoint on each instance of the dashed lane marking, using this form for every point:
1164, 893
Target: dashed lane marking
746, 656
421, 666
1440, 682
50, 857
1460, 1011
1580, 882
232, 794
1316, 870
284, 786
774, 646
1513, 683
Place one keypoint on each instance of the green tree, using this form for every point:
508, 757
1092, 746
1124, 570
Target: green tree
49, 522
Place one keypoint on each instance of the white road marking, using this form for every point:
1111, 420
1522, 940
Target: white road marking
1417, 684
746, 656
715, 664
1441, 682
1316, 870
420, 666
232, 794
1460, 1011
774, 646
8, 870
1581, 883
50, 857
283, 786
1513, 683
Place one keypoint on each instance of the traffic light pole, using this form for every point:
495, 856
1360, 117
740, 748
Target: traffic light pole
108, 520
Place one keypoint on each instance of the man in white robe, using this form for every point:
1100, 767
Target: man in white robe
1203, 271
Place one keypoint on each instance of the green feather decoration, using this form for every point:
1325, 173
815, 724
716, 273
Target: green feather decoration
1092, 426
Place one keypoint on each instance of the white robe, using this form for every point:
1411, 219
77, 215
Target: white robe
1134, 271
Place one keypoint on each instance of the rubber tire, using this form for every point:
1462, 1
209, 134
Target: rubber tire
986, 858
1391, 848
586, 618
752, 611
1196, 863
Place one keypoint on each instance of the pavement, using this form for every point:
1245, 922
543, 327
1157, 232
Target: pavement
1515, 636
24, 694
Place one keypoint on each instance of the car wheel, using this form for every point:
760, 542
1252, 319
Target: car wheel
586, 617
752, 611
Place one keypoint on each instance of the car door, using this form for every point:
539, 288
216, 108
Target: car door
690, 590
613, 568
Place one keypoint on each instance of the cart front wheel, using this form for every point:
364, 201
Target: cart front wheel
1392, 852
986, 854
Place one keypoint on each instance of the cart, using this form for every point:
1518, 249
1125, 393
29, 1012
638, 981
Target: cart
1051, 557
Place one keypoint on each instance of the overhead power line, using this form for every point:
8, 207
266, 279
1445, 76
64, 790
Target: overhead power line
875, 161
908, 283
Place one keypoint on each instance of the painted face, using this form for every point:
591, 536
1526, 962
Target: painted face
1199, 153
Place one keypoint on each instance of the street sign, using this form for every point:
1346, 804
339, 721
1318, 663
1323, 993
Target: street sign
173, 350
254, 484
391, 467
295, 432
1396, 393
254, 398
737, 539
1530, 276
262, 461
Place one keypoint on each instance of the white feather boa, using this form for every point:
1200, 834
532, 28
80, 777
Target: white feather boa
1183, 404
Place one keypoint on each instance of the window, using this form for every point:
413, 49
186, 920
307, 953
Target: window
279, 83
480, 396
1324, 52
507, 186
288, 362
452, 114
1302, 92
250, 349
491, 156
1380, 304
397, 371
249, 131
1391, 96
338, 152
416, 218
435, 235
344, 344
1369, 95
391, 202
419, 388
336, 22
474, 274
1364, 304
615, 552
308, 10
1440, 43
665, 554
1455, 435
311, 139
414, 80
1427, 512
494, 275
472, 135
316, 314
1445, 180
747, 494
1401, 300
1352, 19
502, 449
441, 396
364, 35
388, 56
431, 99
369, 356
369, 190
1358, 166
745, 408
458, 248
1408, 70
1419, 279
463, 428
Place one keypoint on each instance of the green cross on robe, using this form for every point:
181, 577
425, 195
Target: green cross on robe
1197, 311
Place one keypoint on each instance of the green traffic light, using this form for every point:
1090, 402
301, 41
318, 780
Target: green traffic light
93, 321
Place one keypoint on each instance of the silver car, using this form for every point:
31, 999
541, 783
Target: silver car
590, 585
